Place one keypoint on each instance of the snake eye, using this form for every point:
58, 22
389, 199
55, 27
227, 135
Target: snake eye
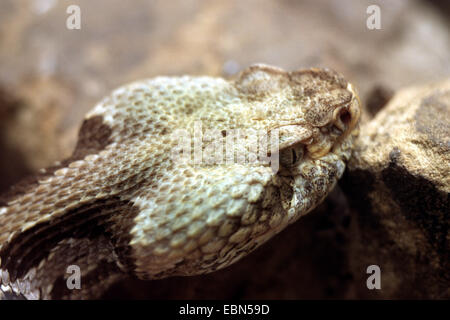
290, 157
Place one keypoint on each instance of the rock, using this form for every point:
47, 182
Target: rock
399, 181
377, 98
34, 125
12, 163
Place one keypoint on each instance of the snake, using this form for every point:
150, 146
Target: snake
177, 176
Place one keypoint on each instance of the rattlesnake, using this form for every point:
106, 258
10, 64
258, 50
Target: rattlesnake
123, 203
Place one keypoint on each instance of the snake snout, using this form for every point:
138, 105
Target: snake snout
346, 117
353, 111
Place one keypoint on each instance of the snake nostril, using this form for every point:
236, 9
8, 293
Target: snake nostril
345, 117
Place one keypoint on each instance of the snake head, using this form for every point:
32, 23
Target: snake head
121, 203
312, 110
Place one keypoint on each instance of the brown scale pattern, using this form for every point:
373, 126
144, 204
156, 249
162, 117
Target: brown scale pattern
123, 203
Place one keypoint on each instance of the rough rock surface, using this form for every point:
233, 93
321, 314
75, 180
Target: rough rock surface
399, 182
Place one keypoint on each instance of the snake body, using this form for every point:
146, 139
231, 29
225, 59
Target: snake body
123, 204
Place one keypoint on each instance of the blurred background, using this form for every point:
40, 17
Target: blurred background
51, 76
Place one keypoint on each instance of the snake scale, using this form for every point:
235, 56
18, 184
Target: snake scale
123, 203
